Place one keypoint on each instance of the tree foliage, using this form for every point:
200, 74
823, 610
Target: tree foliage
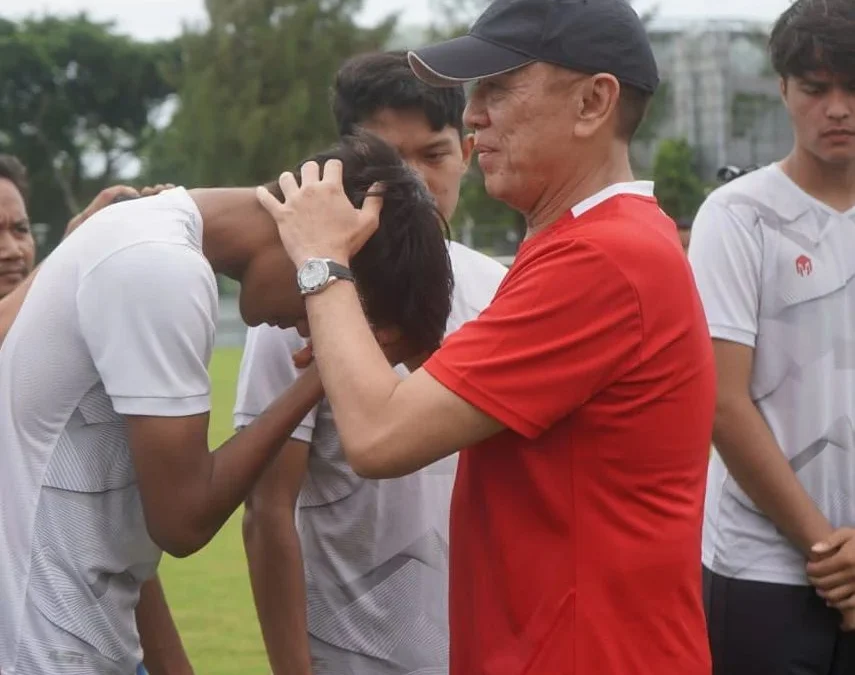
75, 99
254, 89
679, 189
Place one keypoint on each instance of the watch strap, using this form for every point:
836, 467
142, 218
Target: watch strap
339, 271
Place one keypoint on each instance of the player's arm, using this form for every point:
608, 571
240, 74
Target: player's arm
163, 653
269, 529
147, 315
753, 456
188, 492
726, 258
276, 560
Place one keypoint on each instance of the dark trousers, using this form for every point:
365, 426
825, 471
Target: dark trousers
758, 628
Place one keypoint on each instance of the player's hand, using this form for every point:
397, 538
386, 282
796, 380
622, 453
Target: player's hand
832, 572
102, 199
317, 218
109, 196
304, 357
151, 190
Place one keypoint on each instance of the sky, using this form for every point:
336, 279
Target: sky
153, 19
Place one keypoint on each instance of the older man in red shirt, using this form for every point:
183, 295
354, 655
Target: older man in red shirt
584, 394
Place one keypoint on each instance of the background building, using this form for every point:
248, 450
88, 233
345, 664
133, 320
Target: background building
719, 93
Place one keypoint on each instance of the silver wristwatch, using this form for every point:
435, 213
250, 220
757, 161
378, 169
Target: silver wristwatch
316, 274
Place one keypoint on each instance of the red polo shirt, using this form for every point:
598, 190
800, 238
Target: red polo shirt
576, 533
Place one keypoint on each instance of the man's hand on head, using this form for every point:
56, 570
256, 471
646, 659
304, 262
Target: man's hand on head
317, 219
109, 196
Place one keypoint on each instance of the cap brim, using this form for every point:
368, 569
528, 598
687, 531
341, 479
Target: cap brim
463, 59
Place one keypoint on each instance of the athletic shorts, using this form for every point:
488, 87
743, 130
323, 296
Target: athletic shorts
758, 628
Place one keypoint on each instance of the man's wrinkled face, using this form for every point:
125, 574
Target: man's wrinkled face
822, 110
17, 246
439, 157
524, 137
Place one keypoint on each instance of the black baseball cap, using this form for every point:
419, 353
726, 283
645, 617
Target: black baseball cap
590, 36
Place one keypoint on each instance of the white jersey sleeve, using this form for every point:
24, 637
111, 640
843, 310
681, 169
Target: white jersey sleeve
147, 314
726, 257
267, 370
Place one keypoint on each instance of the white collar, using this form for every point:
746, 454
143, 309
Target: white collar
642, 188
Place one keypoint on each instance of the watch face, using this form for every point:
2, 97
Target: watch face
313, 273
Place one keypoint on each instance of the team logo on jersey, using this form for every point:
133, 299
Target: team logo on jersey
804, 266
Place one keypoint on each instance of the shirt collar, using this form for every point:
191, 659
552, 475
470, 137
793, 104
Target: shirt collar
641, 188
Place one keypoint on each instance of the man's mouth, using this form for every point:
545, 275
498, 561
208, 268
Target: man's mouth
13, 273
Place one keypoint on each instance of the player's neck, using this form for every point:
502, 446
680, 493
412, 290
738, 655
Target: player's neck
235, 226
832, 184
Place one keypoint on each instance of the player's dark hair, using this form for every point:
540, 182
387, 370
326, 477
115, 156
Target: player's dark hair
369, 83
15, 172
815, 35
403, 272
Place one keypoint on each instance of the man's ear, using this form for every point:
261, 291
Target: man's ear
467, 144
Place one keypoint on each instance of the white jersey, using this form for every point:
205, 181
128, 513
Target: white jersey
775, 269
375, 551
119, 321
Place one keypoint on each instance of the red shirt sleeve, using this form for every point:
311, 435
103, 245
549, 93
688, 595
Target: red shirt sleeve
565, 324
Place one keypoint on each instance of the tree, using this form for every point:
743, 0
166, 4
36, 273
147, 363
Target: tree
75, 99
679, 189
254, 89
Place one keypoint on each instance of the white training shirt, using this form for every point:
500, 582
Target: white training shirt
375, 551
775, 269
119, 321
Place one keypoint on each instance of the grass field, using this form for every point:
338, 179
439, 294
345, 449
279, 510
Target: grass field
209, 592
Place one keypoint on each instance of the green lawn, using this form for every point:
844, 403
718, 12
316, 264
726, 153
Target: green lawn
209, 592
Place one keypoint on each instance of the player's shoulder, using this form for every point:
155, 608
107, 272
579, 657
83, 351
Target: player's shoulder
763, 196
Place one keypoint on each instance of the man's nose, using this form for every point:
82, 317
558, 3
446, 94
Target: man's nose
10, 247
840, 104
475, 114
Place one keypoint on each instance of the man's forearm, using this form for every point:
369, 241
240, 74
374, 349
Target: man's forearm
279, 588
753, 457
11, 304
163, 653
358, 379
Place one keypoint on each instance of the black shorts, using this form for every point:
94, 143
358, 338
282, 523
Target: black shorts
758, 628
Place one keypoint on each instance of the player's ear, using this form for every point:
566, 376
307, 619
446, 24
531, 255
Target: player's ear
388, 335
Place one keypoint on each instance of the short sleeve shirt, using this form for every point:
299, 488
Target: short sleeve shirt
575, 533
119, 321
775, 273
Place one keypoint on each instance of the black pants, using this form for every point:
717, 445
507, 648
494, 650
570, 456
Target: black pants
758, 628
